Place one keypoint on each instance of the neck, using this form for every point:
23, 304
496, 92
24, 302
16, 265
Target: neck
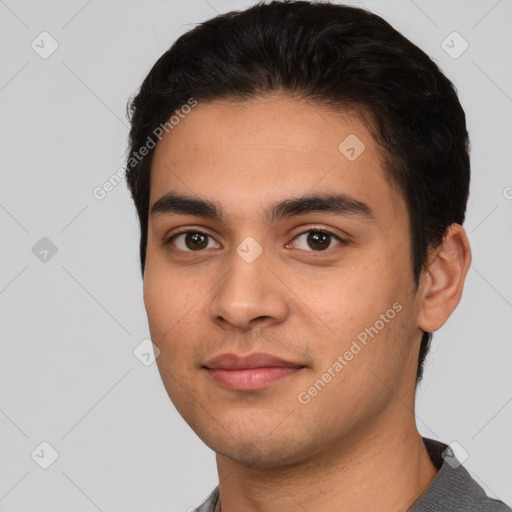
388, 467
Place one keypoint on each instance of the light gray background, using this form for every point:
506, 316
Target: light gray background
68, 375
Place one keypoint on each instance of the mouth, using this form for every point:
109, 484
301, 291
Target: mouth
249, 373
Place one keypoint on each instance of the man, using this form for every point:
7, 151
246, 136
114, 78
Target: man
301, 174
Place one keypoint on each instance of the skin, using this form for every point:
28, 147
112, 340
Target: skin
355, 444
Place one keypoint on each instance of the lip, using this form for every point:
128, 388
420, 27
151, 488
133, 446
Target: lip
251, 372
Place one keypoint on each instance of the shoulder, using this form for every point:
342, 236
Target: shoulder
453, 489
210, 503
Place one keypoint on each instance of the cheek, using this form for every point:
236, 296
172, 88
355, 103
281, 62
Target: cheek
171, 308
364, 302
172, 303
350, 298
170, 315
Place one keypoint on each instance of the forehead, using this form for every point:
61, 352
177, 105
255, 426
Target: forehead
250, 152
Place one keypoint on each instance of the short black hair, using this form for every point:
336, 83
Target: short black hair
340, 56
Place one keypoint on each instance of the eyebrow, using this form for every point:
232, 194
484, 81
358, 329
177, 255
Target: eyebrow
333, 203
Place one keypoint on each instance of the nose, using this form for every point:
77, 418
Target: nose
250, 295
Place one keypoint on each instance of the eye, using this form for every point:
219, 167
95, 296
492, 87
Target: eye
192, 241
318, 240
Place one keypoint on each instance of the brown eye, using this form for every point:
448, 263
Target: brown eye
316, 241
192, 241
196, 241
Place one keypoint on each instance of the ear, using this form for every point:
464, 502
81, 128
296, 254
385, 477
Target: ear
442, 281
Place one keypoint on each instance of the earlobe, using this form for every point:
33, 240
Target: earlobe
443, 279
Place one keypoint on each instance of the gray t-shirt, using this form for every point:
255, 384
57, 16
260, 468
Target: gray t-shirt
452, 490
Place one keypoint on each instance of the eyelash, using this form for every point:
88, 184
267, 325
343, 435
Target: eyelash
341, 241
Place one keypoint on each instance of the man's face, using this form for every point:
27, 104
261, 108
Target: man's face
327, 295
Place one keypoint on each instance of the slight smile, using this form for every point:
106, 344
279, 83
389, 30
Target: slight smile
249, 373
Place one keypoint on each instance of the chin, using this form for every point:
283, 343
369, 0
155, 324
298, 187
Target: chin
261, 452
